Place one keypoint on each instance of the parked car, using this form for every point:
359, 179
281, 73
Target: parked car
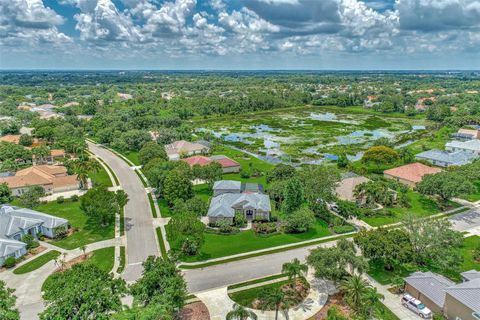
416, 306
334, 207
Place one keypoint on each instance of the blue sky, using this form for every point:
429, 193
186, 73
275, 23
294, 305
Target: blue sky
240, 34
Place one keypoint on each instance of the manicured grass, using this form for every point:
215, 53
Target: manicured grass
246, 297
165, 211
216, 245
88, 231
248, 283
37, 262
111, 171
122, 221
141, 178
152, 205
163, 250
436, 140
121, 266
203, 191
103, 258
101, 178
132, 156
377, 271
421, 206
382, 312
258, 254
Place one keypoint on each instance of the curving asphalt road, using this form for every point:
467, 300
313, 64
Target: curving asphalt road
139, 230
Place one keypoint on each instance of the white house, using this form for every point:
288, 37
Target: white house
470, 146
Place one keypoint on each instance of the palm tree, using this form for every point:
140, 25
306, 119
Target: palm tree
294, 269
240, 313
272, 299
355, 289
84, 249
371, 298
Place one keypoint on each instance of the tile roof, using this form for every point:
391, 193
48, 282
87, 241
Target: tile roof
346, 186
227, 185
9, 246
225, 161
183, 146
40, 175
197, 160
431, 285
413, 172
11, 138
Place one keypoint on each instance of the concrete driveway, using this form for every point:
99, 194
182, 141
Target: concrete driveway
466, 221
139, 230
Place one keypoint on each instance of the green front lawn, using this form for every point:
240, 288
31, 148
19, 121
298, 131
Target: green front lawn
103, 258
101, 177
435, 141
88, 231
247, 297
132, 156
421, 206
37, 262
377, 271
216, 245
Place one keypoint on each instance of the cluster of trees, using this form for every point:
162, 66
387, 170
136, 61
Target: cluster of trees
344, 267
453, 183
87, 292
302, 194
101, 205
418, 243
8, 311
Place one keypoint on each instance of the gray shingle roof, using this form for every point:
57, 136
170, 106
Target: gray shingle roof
471, 274
455, 158
224, 204
467, 293
228, 185
431, 285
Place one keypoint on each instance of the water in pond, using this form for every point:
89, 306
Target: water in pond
329, 116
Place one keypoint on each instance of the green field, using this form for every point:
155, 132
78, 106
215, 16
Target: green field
216, 245
37, 262
421, 206
103, 258
100, 177
88, 231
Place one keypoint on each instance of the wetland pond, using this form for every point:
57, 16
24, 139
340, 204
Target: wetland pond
307, 135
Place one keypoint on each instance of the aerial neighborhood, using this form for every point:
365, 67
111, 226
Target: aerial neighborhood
270, 196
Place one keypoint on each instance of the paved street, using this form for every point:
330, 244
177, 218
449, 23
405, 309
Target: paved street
141, 238
466, 220
243, 270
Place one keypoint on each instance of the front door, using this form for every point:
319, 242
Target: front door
249, 214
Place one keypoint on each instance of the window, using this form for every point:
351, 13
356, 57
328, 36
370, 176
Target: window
476, 315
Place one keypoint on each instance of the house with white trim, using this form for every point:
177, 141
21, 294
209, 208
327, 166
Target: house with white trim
17, 222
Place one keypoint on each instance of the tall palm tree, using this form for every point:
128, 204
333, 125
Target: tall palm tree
240, 313
272, 299
355, 289
371, 298
294, 269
